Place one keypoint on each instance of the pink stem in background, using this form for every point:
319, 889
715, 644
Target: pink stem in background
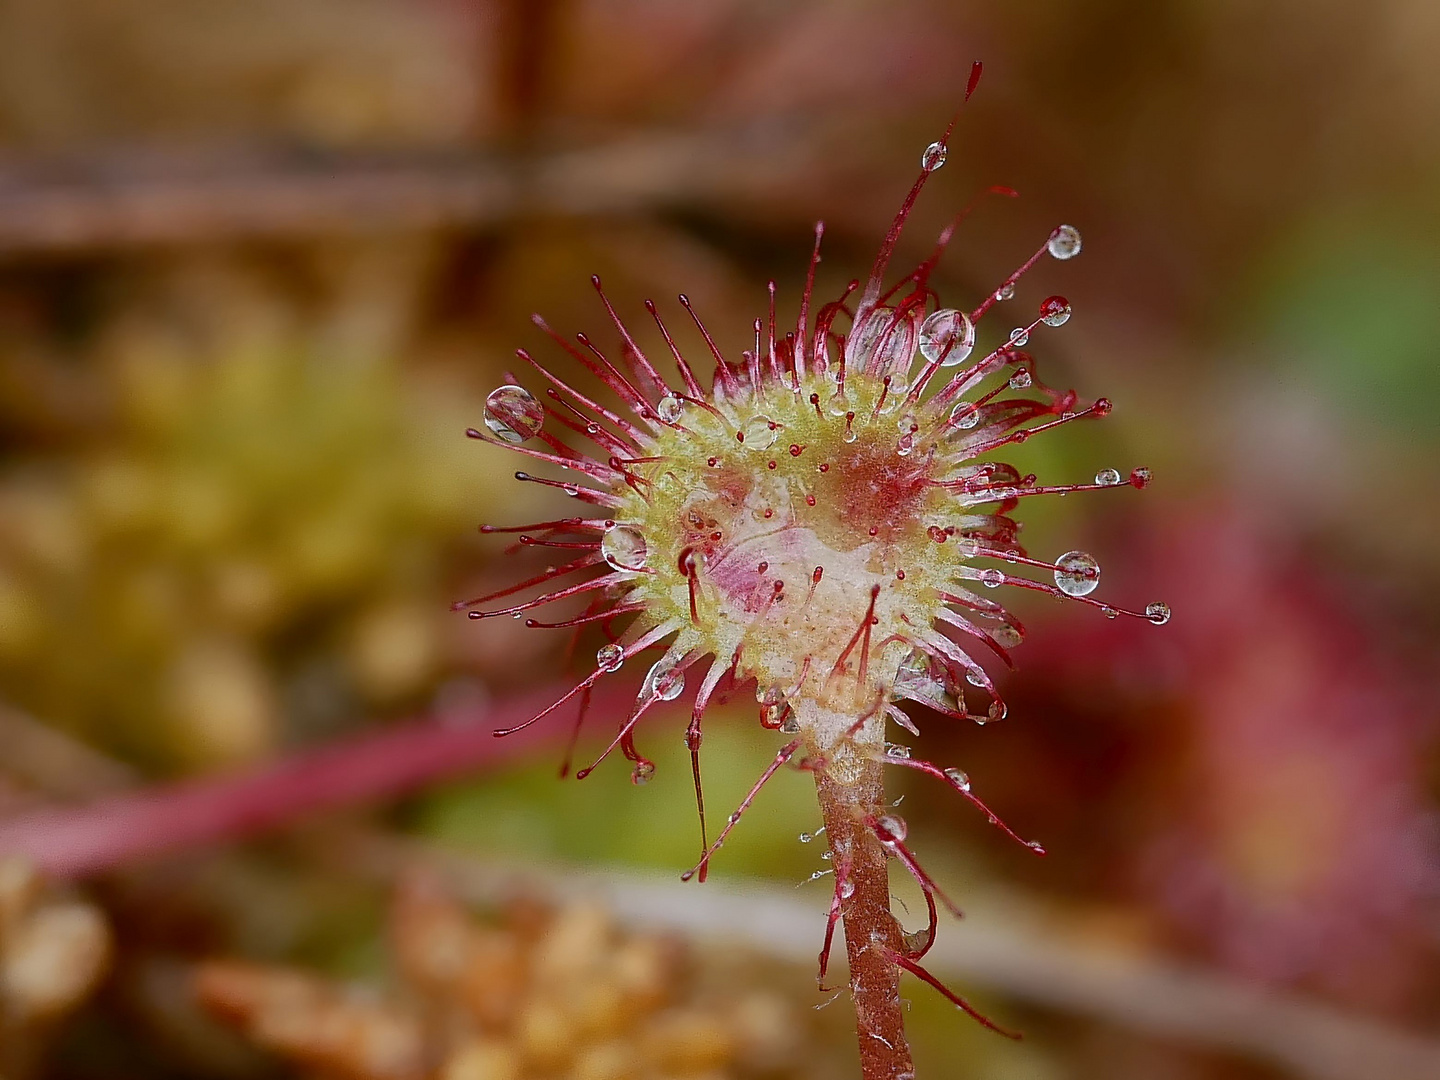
119, 830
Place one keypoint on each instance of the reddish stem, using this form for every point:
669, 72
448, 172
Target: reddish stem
83, 840
872, 935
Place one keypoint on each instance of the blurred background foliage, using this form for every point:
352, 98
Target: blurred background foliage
260, 262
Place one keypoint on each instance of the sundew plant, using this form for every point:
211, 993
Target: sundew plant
828, 521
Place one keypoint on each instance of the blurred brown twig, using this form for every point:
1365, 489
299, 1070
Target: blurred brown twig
1008, 947
85, 840
132, 197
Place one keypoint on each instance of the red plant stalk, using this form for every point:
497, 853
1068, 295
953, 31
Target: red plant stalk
871, 931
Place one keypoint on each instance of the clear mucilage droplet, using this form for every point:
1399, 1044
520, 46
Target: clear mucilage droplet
759, 433
965, 415
773, 707
1064, 242
1107, 477
992, 578
1077, 573
1005, 292
1055, 311
669, 408
947, 336
1020, 380
1019, 337
642, 773
891, 829
1007, 636
958, 778
897, 750
934, 156
664, 680
610, 657
623, 547
1158, 613
513, 414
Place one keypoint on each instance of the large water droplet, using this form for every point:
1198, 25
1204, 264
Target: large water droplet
642, 773
965, 415
1076, 573
949, 334
759, 434
891, 828
610, 657
773, 707
934, 156
1007, 636
664, 680
992, 578
1158, 613
623, 547
958, 778
1055, 311
1107, 477
1064, 242
513, 414
997, 710
669, 408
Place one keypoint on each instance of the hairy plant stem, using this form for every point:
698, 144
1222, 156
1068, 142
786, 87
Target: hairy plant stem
870, 928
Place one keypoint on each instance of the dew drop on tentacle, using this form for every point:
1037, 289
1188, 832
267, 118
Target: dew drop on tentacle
958, 778
965, 415
1077, 573
1108, 477
623, 547
1064, 242
1007, 636
934, 156
759, 433
513, 414
610, 657
1019, 337
664, 680
891, 829
947, 336
992, 578
669, 408
1055, 311
1158, 613
1006, 291
773, 707
1020, 380
1139, 477
642, 773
